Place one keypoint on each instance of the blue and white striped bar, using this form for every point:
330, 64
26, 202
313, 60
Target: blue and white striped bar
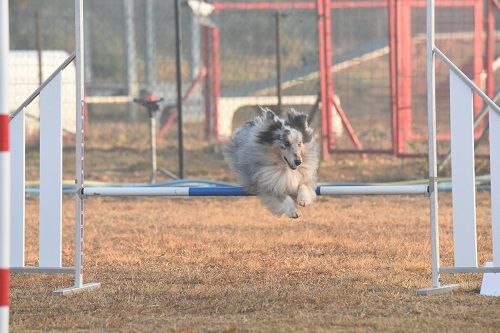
238, 191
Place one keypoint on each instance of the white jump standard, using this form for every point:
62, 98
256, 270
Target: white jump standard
50, 232
463, 173
462, 178
4, 169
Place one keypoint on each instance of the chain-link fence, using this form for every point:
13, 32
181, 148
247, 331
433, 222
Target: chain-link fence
378, 60
460, 34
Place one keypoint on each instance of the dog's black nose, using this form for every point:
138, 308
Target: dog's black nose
298, 162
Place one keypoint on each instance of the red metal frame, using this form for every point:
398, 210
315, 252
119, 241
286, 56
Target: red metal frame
400, 41
404, 71
170, 120
478, 53
393, 81
326, 76
490, 48
325, 149
350, 130
402, 68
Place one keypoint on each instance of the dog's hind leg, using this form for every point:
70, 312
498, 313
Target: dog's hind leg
281, 205
290, 209
305, 195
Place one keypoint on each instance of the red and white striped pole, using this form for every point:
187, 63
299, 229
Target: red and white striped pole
4, 170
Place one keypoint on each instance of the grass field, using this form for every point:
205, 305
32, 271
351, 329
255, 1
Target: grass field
226, 265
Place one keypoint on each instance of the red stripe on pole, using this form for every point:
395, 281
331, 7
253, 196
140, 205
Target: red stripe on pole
4, 132
4, 287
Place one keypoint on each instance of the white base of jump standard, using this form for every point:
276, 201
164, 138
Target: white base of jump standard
437, 290
76, 289
57, 270
43, 270
489, 287
491, 283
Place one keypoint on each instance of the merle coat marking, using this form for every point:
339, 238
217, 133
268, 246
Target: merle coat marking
276, 159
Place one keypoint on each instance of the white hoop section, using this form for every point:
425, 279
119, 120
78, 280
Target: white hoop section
462, 178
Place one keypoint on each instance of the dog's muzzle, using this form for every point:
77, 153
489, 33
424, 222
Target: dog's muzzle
292, 166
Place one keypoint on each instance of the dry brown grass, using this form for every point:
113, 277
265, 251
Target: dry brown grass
190, 265
209, 265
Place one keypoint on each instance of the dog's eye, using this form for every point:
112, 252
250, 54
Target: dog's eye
287, 144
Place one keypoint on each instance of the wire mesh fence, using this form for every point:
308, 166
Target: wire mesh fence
460, 34
378, 61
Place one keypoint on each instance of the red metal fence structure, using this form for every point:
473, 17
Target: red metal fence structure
368, 61
404, 58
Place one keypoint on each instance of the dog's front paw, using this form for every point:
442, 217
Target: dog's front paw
304, 197
304, 200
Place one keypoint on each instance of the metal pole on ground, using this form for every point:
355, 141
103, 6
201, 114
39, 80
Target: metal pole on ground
80, 158
431, 118
179, 85
79, 145
433, 181
4, 169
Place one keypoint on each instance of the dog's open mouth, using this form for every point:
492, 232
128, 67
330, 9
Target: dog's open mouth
292, 166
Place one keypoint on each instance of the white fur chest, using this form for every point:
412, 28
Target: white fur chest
278, 180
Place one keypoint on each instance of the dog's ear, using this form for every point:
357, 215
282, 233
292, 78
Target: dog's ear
298, 120
273, 122
269, 115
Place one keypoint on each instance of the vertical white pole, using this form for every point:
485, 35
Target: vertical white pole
79, 143
431, 125
79, 168
4, 169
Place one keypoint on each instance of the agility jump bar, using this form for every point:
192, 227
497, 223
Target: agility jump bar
239, 191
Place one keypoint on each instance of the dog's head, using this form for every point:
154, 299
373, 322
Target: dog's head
288, 135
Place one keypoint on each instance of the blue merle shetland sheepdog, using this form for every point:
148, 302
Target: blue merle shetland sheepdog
277, 160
